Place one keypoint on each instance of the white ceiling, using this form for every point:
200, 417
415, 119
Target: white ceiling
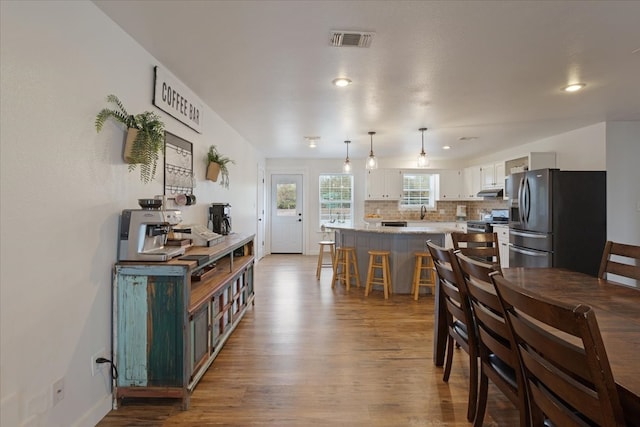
488, 69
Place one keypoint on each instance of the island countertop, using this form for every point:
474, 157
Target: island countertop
428, 228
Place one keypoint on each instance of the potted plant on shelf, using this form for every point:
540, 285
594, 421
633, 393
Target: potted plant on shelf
145, 137
218, 166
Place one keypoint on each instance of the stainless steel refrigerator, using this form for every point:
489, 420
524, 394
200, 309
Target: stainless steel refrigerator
557, 219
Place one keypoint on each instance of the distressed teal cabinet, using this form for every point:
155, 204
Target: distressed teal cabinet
172, 318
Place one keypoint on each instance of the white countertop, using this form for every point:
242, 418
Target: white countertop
428, 228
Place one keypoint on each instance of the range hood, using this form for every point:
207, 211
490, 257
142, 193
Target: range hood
493, 193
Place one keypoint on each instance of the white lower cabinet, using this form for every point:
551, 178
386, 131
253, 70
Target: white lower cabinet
503, 242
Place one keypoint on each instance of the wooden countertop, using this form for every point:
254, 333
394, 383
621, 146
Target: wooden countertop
233, 240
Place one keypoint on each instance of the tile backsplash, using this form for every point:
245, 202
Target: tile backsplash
445, 211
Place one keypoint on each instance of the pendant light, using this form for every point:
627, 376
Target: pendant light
423, 161
346, 167
372, 162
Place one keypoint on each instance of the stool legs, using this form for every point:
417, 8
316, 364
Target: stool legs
345, 267
424, 262
383, 265
331, 246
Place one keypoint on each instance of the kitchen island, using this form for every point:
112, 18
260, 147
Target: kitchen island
402, 242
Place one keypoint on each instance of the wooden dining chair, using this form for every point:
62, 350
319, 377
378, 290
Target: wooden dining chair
565, 365
620, 259
480, 246
499, 360
461, 329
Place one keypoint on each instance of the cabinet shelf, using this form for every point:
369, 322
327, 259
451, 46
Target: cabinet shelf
203, 290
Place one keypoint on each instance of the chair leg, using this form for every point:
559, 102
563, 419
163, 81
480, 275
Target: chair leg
482, 401
449, 360
473, 384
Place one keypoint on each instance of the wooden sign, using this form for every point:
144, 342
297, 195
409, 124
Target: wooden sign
174, 98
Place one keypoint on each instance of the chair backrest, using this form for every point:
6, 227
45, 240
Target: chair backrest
453, 290
495, 339
620, 259
481, 246
565, 365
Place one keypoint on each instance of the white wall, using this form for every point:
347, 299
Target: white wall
623, 182
63, 187
580, 149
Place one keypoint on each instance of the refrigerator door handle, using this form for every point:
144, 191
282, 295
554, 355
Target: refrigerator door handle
520, 200
530, 235
527, 201
526, 252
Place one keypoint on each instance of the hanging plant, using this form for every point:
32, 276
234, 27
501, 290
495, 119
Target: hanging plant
145, 137
218, 166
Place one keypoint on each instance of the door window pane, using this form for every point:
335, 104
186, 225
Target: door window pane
286, 200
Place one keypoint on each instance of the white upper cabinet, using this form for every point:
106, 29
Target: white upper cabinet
450, 185
472, 183
383, 184
531, 161
492, 176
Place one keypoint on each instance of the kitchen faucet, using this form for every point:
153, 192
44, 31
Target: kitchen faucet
423, 211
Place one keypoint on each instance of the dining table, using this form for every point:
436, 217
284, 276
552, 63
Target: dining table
617, 309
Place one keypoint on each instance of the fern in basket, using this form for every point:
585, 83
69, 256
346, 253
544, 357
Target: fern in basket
148, 136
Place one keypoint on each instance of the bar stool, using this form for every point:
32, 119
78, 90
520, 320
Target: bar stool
424, 262
325, 244
345, 267
379, 260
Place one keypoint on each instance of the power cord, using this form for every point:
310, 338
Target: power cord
114, 370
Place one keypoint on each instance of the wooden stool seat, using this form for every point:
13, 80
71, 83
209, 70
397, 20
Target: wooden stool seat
325, 244
424, 262
345, 267
379, 260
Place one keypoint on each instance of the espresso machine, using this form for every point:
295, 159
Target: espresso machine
220, 218
144, 232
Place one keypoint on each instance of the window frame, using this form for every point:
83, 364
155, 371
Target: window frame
431, 188
322, 203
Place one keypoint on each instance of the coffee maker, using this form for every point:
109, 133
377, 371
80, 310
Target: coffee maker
220, 218
144, 232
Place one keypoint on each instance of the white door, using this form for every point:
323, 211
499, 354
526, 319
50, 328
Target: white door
286, 214
260, 214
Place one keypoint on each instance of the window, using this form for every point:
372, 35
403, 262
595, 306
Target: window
418, 189
336, 199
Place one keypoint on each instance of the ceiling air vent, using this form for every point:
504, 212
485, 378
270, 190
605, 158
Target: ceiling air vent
350, 38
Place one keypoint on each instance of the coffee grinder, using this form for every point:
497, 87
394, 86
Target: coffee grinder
220, 218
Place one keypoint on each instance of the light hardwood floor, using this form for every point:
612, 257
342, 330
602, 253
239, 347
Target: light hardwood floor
310, 355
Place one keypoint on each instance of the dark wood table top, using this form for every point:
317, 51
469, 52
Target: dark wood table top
617, 309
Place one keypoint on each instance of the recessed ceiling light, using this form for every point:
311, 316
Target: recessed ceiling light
341, 82
446, 147
574, 87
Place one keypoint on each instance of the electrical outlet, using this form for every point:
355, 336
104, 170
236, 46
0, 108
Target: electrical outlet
96, 368
58, 391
